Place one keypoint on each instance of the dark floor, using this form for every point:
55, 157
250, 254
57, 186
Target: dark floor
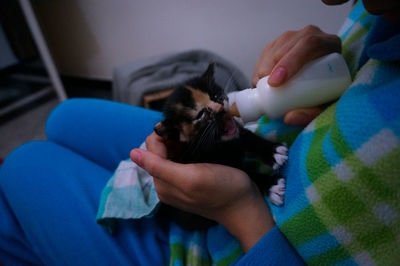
27, 122
28, 78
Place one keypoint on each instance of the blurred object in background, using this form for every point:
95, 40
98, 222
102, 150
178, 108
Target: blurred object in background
27, 71
22, 73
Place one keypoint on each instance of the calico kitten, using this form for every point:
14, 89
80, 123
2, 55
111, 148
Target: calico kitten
195, 117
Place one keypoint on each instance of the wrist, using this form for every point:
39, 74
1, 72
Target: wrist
249, 220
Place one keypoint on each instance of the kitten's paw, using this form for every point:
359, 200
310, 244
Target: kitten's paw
277, 192
280, 156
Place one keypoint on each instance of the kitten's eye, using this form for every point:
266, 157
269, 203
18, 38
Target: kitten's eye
200, 115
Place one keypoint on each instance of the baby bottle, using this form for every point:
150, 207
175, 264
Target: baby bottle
320, 81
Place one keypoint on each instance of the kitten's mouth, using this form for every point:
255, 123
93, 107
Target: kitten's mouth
230, 128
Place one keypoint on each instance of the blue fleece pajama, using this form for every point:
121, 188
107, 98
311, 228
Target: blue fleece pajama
50, 191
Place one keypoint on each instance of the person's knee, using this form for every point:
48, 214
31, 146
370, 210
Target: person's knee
73, 113
19, 164
60, 114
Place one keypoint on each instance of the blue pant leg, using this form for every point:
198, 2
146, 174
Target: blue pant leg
15, 249
101, 130
52, 194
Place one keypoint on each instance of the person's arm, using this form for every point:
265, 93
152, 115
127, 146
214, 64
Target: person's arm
221, 193
272, 249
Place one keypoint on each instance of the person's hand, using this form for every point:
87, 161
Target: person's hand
221, 193
286, 55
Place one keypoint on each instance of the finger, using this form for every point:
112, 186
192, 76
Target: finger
173, 173
167, 193
272, 53
263, 68
173, 196
156, 144
302, 117
306, 50
264, 63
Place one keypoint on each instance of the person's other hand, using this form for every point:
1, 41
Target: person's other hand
286, 55
218, 192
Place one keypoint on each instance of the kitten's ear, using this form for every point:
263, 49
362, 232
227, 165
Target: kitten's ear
209, 73
161, 130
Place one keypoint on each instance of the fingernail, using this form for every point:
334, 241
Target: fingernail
277, 76
137, 157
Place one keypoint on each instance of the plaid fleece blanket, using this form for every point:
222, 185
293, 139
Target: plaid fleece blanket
129, 194
342, 202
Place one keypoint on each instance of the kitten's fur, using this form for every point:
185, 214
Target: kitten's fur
194, 116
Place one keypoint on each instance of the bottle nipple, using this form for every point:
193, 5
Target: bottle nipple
233, 110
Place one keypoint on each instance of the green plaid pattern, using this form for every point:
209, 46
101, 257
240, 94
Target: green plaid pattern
342, 201
343, 188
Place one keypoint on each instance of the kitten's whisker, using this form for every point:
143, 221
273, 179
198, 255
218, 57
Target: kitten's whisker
195, 145
203, 138
228, 82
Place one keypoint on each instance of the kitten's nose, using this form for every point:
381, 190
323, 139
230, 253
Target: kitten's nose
220, 108
216, 107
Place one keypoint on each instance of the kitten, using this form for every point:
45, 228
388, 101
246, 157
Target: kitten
195, 117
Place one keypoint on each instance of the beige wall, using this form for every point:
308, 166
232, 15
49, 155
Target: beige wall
89, 37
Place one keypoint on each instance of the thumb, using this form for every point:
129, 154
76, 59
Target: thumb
159, 167
302, 117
